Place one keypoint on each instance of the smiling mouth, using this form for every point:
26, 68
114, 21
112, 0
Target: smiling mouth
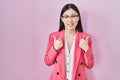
70, 24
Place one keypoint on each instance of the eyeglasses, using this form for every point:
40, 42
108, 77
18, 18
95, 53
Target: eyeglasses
67, 17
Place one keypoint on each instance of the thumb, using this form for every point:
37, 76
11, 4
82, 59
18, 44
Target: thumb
87, 38
54, 37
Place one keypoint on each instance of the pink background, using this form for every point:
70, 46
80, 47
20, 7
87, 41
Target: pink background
24, 29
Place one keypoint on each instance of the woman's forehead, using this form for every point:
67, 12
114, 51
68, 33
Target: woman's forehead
70, 12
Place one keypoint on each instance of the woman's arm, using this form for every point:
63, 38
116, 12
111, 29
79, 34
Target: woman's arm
50, 54
88, 55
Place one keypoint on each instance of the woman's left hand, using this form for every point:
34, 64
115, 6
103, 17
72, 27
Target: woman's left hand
84, 44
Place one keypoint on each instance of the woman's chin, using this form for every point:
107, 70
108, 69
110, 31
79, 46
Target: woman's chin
71, 28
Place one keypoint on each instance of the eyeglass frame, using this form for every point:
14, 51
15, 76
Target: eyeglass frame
72, 16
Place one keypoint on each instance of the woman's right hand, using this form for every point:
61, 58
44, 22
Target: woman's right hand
58, 43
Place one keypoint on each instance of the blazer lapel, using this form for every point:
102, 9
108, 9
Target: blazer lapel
62, 63
77, 52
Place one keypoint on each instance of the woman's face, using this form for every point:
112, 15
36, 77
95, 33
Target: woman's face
70, 19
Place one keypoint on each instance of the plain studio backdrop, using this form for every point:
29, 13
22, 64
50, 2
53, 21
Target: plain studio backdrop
26, 24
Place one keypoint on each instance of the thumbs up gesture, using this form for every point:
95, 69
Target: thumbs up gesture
84, 44
58, 43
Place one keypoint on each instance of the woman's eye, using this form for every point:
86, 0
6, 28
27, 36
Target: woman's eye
73, 16
66, 16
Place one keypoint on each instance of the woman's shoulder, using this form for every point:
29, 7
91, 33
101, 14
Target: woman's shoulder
56, 33
84, 34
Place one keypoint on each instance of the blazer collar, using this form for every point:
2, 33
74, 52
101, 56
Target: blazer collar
77, 53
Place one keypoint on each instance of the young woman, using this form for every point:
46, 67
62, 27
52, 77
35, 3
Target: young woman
69, 49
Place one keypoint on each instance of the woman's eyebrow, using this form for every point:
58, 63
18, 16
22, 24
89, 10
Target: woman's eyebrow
71, 14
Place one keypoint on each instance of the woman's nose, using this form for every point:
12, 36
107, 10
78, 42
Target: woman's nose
70, 19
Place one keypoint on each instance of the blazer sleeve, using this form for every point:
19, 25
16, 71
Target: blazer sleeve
88, 56
50, 54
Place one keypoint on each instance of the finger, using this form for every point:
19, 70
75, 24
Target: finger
87, 38
82, 40
60, 39
54, 37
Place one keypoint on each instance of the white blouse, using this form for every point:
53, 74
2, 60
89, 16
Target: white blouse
69, 57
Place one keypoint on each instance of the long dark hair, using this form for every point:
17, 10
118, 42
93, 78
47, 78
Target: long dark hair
66, 7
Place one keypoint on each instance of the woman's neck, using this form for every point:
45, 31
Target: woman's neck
70, 33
